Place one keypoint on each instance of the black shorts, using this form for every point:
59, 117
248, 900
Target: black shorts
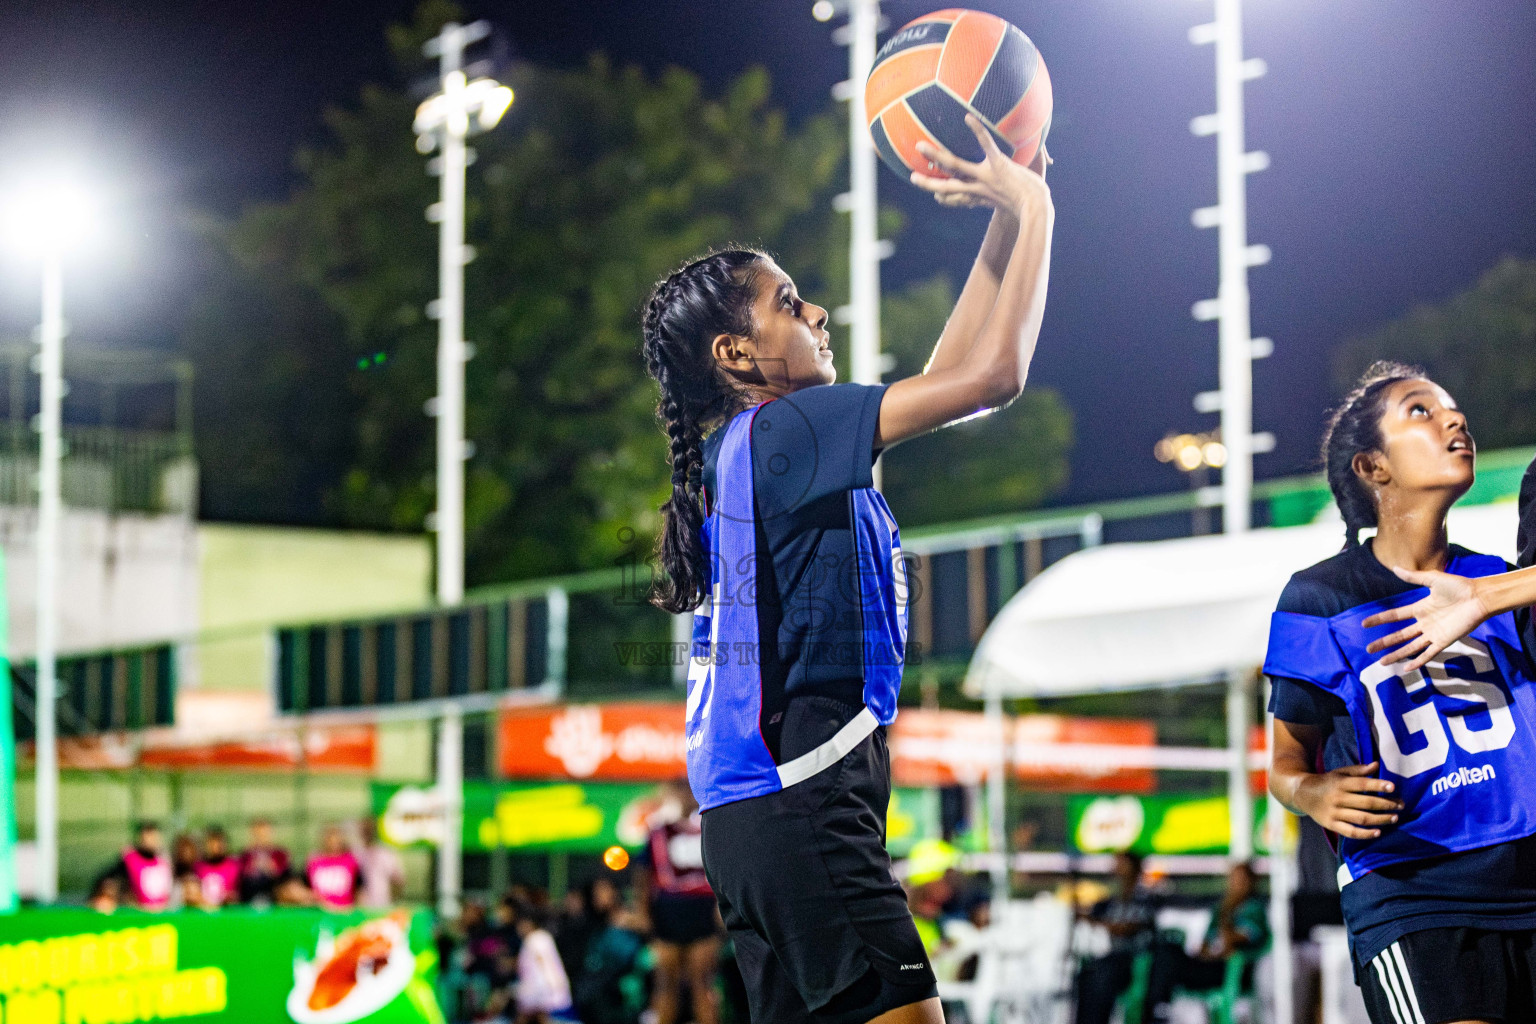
683, 919
820, 924
1452, 974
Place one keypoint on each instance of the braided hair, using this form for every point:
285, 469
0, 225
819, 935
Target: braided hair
1353, 428
686, 312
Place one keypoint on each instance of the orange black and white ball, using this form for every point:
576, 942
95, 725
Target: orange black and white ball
947, 64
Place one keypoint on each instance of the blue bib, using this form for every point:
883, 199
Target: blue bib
728, 759
1457, 737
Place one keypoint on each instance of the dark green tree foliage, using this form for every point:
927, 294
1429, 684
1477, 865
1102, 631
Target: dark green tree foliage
1480, 345
1002, 462
316, 357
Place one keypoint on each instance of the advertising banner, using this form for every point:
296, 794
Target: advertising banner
620, 741
230, 967
573, 817
1055, 752
1158, 824
645, 742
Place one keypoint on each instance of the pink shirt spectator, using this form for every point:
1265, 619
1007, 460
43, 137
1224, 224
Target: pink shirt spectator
333, 879
149, 879
220, 882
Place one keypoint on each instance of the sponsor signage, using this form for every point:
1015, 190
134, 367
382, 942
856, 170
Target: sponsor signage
621, 741
1159, 824
645, 742
945, 748
579, 817
332, 749
232, 967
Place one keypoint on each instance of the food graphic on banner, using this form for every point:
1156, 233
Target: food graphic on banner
353, 975
1110, 823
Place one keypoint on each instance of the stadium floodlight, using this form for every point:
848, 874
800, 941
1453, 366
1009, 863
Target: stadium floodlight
443, 122
46, 217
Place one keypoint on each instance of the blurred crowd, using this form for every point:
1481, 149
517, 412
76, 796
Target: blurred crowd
352, 869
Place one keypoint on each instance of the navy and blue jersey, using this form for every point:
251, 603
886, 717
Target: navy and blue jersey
1457, 739
807, 591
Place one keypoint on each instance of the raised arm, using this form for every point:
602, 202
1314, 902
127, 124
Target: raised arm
983, 357
1454, 607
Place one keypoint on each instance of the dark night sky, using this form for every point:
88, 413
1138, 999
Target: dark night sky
1402, 132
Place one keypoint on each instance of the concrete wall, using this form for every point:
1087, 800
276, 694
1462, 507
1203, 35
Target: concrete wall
123, 579
254, 576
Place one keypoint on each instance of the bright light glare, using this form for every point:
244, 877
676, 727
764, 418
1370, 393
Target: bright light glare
822, 10
48, 215
495, 104
1215, 454
1190, 457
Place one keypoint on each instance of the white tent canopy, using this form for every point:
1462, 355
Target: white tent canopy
1132, 616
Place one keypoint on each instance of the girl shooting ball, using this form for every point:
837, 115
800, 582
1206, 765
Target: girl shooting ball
1423, 767
792, 562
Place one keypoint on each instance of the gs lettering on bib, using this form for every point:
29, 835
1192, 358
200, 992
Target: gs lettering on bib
1457, 738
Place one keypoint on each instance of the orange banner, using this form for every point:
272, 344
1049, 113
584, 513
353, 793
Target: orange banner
335, 749
928, 748
346, 748
941, 748
593, 741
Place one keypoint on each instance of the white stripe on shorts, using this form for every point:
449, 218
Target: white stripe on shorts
1386, 986
1407, 982
1392, 971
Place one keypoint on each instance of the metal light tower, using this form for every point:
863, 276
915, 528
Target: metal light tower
443, 122
47, 219
1234, 400
865, 249
49, 502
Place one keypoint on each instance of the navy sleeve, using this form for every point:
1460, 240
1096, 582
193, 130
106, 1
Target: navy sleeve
814, 442
1301, 702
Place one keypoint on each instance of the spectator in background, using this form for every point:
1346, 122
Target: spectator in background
610, 987
144, 871
1130, 917
106, 894
184, 856
264, 866
333, 873
189, 893
218, 874
585, 916
382, 869
1239, 925
684, 919
543, 990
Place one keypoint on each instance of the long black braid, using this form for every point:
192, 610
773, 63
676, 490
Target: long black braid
686, 312
1353, 428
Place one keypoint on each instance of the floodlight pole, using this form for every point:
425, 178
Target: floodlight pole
1234, 400
50, 416
444, 122
865, 250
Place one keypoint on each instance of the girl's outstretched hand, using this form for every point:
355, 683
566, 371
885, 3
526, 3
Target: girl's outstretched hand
1454, 608
996, 181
